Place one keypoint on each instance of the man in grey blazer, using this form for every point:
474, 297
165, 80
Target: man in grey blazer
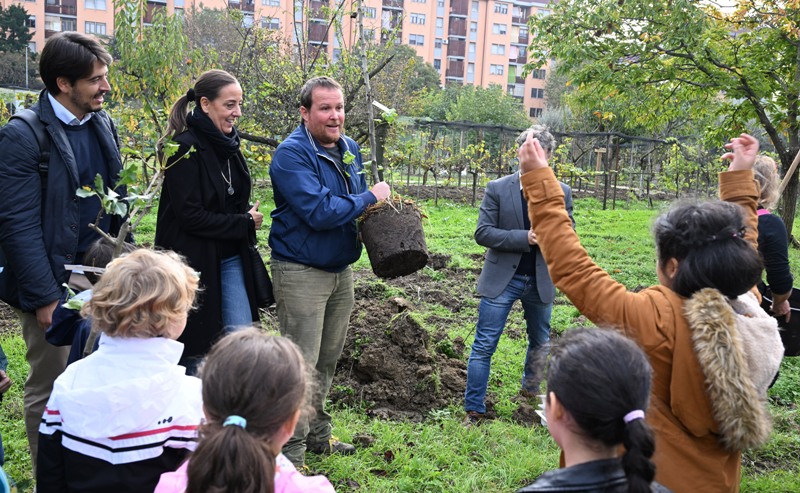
514, 270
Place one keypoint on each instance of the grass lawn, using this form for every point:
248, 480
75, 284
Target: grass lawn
439, 454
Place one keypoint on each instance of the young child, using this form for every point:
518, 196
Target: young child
598, 385
69, 328
713, 350
119, 418
254, 388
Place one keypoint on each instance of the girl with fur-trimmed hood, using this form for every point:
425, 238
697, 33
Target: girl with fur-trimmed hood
714, 351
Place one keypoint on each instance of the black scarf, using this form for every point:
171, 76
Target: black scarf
224, 145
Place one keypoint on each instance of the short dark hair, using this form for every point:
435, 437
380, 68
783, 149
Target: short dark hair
540, 132
707, 240
600, 376
71, 55
306, 92
99, 254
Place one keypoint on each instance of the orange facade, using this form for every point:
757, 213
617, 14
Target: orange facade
478, 42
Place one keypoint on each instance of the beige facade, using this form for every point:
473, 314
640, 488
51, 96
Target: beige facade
478, 42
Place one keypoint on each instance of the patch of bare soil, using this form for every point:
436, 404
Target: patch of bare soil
396, 363
8, 320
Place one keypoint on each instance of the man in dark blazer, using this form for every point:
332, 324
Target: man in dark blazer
514, 270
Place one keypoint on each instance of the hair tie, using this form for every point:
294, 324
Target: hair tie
190, 94
633, 416
234, 420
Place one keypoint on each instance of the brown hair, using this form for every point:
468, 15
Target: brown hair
261, 378
307, 91
208, 85
100, 253
71, 55
766, 174
141, 294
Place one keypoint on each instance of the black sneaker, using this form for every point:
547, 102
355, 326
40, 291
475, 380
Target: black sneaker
332, 446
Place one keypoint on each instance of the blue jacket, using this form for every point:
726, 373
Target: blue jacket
39, 235
316, 205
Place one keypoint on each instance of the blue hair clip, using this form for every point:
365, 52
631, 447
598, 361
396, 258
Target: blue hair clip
234, 420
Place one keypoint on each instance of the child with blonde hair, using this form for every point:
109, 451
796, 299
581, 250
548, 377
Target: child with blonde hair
255, 387
125, 414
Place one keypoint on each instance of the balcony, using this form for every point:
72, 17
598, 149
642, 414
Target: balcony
63, 8
459, 7
455, 68
393, 4
522, 59
317, 33
458, 27
456, 47
244, 5
151, 9
519, 20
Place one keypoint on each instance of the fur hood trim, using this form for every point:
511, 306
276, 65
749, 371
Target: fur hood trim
729, 363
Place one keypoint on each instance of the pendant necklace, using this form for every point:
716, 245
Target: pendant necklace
228, 179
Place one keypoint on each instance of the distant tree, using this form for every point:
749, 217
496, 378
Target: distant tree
490, 106
14, 35
12, 71
671, 60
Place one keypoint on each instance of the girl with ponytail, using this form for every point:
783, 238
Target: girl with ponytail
598, 385
712, 348
254, 390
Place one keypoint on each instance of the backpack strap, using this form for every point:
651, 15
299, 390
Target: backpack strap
42, 138
763, 212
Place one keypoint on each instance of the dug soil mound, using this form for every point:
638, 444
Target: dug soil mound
394, 363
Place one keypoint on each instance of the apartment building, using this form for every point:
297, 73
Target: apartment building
478, 42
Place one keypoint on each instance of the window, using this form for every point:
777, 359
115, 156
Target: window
69, 24
439, 22
270, 23
52, 23
440, 3
539, 73
474, 9
178, 4
32, 46
517, 12
537, 93
543, 12
95, 28
499, 29
470, 72
31, 22
416, 39
95, 4
523, 31
437, 64
369, 34
336, 55
271, 3
437, 43
501, 8
473, 27
419, 1
498, 49
497, 69
535, 112
417, 18
370, 12
247, 20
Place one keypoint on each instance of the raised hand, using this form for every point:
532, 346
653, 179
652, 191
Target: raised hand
744, 151
531, 155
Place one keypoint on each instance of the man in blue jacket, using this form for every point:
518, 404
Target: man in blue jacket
43, 224
320, 190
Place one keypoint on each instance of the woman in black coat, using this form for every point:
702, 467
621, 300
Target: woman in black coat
204, 212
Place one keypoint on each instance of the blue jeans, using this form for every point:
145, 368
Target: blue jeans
492, 317
235, 303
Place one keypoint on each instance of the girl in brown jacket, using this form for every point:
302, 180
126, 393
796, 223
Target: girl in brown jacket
713, 350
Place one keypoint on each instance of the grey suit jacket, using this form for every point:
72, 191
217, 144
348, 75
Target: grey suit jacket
502, 231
